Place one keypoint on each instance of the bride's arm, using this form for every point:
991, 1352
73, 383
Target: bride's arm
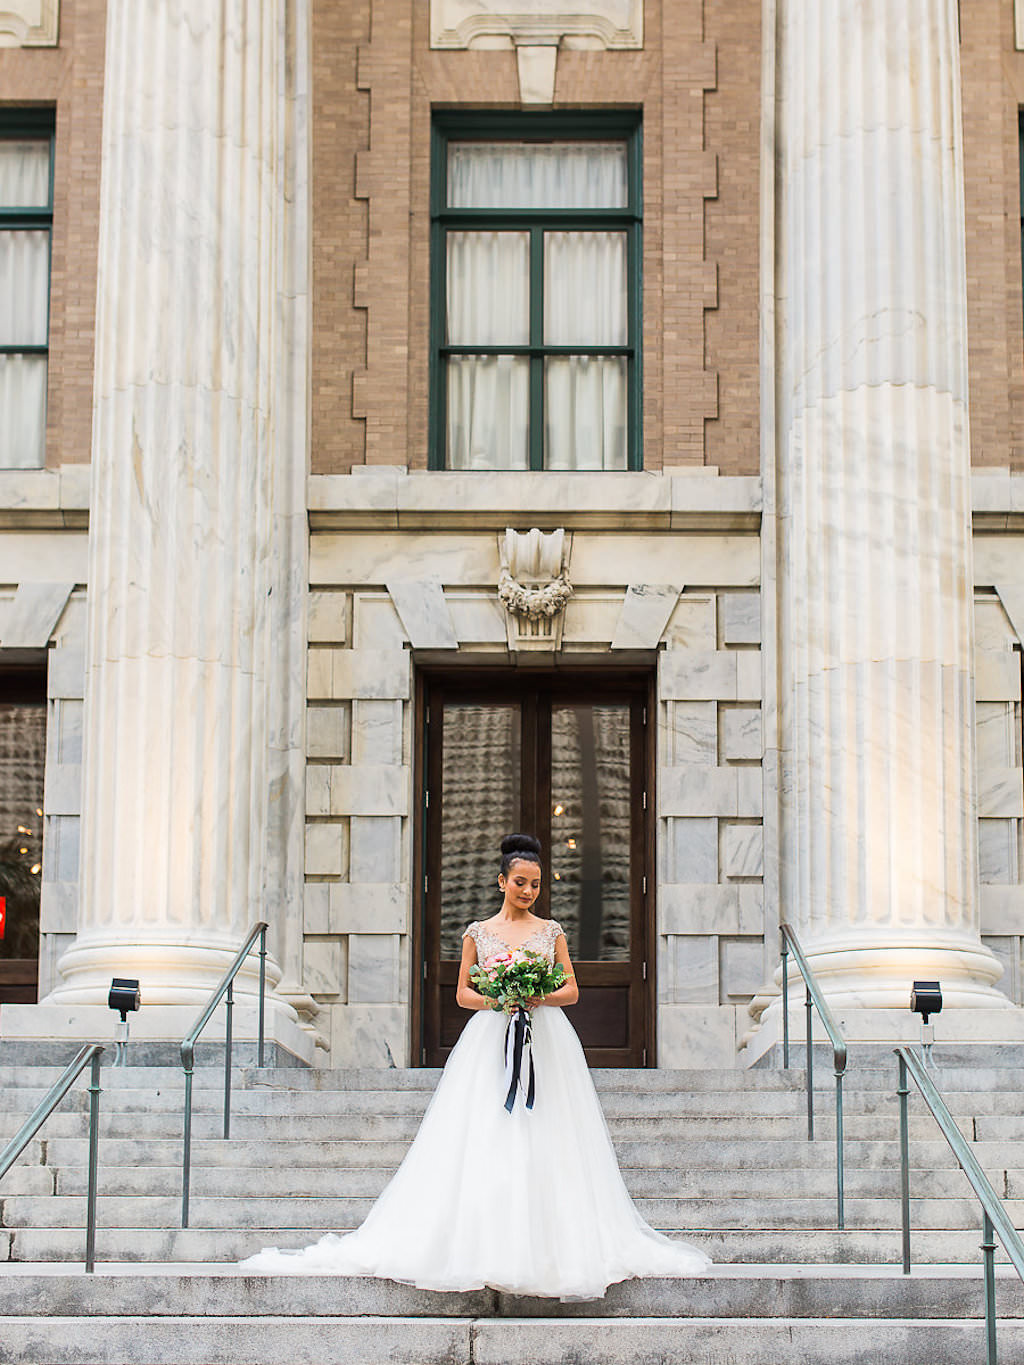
570, 992
466, 993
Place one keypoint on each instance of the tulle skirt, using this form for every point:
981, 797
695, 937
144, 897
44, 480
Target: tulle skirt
530, 1202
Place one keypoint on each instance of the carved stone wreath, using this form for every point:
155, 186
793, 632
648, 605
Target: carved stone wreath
534, 602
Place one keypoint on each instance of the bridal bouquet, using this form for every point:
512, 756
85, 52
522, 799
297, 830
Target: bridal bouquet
513, 977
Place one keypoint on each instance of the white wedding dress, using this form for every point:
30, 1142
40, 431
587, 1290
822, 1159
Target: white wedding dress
530, 1202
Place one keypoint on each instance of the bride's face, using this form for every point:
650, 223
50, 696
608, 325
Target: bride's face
522, 885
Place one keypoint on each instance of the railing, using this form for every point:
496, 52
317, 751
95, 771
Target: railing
91, 1053
188, 1046
816, 1000
994, 1215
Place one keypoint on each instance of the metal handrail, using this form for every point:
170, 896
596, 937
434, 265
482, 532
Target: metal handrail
188, 1046
90, 1053
839, 1056
994, 1215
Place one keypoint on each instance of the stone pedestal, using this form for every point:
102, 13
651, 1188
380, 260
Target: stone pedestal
192, 819
878, 844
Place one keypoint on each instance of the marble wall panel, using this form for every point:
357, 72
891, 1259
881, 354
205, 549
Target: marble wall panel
61, 849
742, 850
697, 675
690, 850
1002, 909
369, 1035
749, 792
688, 971
316, 908
34, 614
700, 909
318, 789
1000, 792
692, 733
693, 624
740, 617
370, 908
645, 612
66, 716
997, 852
702, 1036
376, 732
325, 851
65, 673
63, 789
695, 790
375, 849
319, 674
373, 969
741, 733
58, 907
372, 558
995, 736
62, 558
381, 674
590, 618
996, 675
992, 628
749, 679
328, 732
324, 967
477, 618
327, 618
370, 789
421, 605
1007, 951
742, 967
726, 559
375, 622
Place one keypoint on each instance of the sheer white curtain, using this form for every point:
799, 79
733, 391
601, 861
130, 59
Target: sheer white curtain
488, 304
24, 291
585, 303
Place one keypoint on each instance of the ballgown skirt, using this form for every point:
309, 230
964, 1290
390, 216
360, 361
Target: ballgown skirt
530, 1202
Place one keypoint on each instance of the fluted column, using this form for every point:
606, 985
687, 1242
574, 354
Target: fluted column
878, 857
192, 818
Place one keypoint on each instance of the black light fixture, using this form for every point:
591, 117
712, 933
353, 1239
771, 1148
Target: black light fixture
926, 1000
125, 997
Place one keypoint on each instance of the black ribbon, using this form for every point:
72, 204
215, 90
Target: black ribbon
522, 1033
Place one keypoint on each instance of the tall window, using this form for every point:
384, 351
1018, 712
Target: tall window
536, 292
26, 222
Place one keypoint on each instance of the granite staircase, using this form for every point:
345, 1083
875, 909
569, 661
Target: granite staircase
719, 1157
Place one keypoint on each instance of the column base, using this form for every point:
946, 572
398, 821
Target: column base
50, 1033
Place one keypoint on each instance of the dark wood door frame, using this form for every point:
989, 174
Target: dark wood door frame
496, 685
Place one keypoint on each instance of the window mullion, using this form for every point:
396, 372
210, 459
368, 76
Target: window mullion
536, 426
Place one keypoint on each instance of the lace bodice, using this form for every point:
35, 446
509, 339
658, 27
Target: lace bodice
542, 940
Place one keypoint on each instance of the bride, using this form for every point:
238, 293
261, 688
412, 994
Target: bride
529, 1201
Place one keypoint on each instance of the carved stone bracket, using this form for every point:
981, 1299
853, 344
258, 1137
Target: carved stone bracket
29, 23
534, 587
537, 29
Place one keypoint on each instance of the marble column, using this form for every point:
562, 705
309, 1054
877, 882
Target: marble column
878, 856
192, 819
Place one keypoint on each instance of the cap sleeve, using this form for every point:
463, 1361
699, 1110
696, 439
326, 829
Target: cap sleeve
555, 930
471, 930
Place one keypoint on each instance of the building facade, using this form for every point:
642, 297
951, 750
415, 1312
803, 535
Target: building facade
424, 419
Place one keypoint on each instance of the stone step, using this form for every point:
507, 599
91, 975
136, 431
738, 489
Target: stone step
736, 1291
314, 1340
765, 1210
651, 1150
342, 1180
199, 1244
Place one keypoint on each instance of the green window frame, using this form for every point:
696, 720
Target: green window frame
20, 125
596, 126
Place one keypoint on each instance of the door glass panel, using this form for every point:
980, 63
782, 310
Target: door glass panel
22, 758
590, 830
480, 778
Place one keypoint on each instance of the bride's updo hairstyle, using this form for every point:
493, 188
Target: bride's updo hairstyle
519, 848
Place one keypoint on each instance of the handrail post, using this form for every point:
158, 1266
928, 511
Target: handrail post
186, 1153
230, 1002
263, 987
903, 1091
94, 1137
988, 1249
840, 1176
785, 1003
810, 1069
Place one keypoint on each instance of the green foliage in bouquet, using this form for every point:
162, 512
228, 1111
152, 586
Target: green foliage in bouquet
513, 977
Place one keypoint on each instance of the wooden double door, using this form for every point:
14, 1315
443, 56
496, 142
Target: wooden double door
564, 756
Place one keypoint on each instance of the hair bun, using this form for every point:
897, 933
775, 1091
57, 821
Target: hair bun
520, 843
